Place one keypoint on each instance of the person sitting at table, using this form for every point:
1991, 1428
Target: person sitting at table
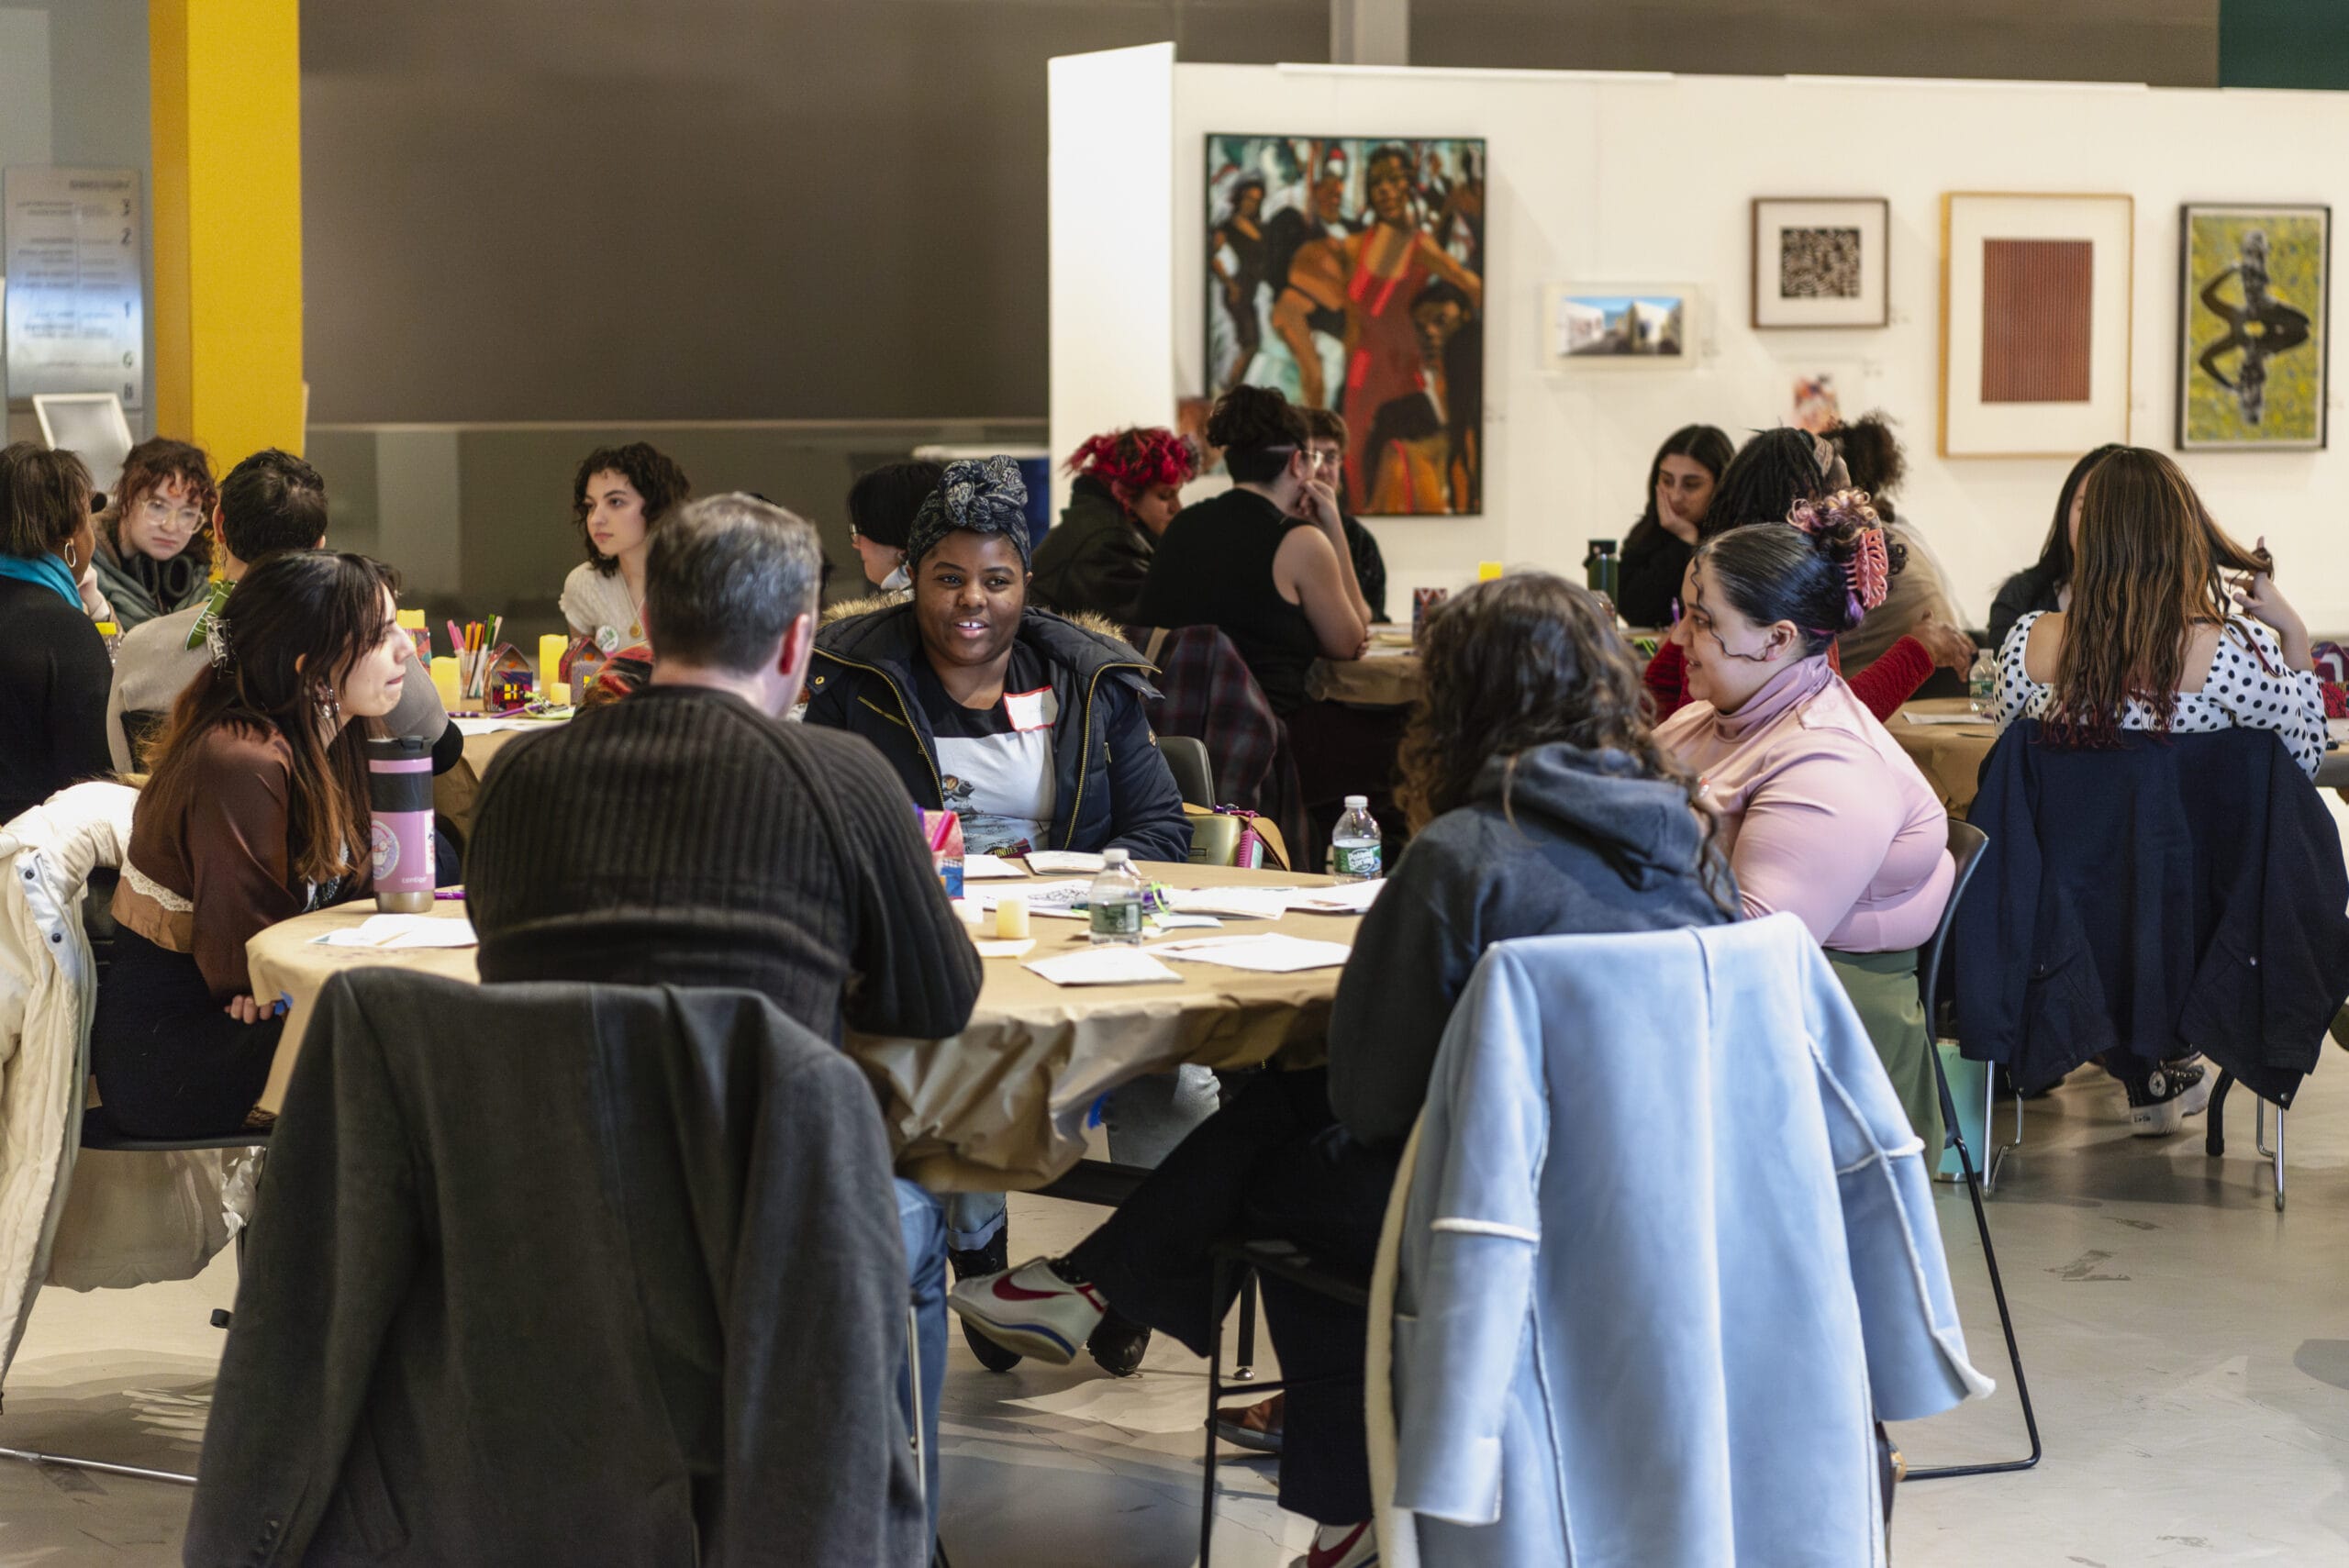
881, 507
1683, 475
1028, 726
1327, 440
270, 503
1267, 561
1920, 604
1129, 486
152, 556
688, 837
1542, 806
619, 498
52, 660
2151, 640
1821, 812
1769, 475
257, 810
2046, 584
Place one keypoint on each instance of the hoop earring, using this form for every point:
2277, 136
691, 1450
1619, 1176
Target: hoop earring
73, 557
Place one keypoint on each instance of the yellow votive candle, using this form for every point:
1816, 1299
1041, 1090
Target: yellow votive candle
1011, 917
551, 650
447, 682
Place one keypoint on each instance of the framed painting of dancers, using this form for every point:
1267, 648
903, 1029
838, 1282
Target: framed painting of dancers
2036, 303
2254, 327
1348, 272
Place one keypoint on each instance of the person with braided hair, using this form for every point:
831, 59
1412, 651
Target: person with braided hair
1129, 486
1820, 812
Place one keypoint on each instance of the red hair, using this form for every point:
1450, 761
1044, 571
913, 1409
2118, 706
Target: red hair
1131, 460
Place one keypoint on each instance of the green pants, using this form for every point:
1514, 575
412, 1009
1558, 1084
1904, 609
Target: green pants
1882, 989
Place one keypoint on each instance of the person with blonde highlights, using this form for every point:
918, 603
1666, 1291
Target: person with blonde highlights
1545, 807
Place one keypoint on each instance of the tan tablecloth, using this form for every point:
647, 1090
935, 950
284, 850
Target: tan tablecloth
1951, 754
453, 792
1388, 678
1002, 1105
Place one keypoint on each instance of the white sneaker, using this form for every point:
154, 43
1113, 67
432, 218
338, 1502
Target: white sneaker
2158, 1106
1030, 1309
2197, 1098
1341, 1546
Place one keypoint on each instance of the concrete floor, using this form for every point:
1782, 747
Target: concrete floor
2187, 1348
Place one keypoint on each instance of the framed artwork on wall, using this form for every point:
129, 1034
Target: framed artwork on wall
1619, 326
1348, 272
2037, 299
2254, 327
1821, 262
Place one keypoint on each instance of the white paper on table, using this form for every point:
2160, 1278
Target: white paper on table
1186, 922
1044, 898
487, 724
1271, 953
1384, 651
1054, 862
989, 868
1104, 966
402, 931
1253, 903
1346, 898
1948, 718
1004, 947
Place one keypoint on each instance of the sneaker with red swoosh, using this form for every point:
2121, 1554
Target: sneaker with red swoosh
1030, 1309
1341, 1546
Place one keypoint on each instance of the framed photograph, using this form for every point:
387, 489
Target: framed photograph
2254, 327
1656, 326
1821, 262
1349, 271
2036, 300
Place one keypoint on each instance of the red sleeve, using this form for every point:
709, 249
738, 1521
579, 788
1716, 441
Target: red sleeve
237, 854
1892, 680
1667, 681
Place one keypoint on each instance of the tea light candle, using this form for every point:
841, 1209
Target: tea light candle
560, 694
1011, 915
551, 647
1487, 570
448, 683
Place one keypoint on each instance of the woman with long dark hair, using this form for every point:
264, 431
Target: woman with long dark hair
1682, 477
256, 811
1543, 806
2046, 582
1823, 813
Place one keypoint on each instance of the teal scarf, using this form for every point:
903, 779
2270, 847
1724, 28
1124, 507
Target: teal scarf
42, 569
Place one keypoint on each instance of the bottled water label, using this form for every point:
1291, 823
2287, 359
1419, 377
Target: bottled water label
1117, 920
1356, 862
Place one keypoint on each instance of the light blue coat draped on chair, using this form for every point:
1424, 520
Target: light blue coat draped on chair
1668, 1251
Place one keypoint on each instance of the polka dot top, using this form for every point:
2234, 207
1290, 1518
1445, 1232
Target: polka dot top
2248, 687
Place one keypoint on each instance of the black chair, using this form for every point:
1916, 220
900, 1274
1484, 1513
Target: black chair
1966, 843
1186, 758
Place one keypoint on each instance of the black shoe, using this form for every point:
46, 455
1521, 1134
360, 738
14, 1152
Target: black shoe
978, 1261
1118, 1344
2158, 1103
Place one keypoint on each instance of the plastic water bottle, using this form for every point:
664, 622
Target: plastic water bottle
1354, 845
1982, 684
1115, 903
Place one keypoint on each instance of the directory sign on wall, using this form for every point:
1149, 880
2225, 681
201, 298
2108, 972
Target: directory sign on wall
76, 313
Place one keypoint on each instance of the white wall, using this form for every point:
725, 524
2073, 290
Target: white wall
1621, 178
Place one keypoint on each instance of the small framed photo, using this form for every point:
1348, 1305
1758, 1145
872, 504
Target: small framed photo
1622, 325
1821, 261
2255, 325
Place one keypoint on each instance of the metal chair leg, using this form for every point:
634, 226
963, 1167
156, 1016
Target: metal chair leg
2259, 1141
1245, 1368
1221, 1277
913, 1383
1996, 1153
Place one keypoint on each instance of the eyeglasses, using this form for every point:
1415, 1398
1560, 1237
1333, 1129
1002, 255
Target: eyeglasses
159, 511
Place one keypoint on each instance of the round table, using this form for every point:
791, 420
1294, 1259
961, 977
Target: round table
1948, 747
453, 792
1386, 677
1003, 1104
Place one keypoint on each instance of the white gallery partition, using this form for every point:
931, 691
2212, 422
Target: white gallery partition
1621, 178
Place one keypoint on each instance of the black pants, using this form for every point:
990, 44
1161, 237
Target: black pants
1271, 1162
170, 1064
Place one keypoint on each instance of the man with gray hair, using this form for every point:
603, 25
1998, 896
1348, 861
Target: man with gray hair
688, 836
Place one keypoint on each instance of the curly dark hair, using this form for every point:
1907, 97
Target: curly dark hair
1521, 661
653, 472
1871, 456
155, 462
1258, 430
1770, 472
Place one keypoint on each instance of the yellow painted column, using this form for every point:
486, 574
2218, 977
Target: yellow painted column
226, 93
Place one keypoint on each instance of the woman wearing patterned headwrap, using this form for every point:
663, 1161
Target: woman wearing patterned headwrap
1029, 727
1821, 813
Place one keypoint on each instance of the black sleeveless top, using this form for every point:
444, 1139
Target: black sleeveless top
1213, 567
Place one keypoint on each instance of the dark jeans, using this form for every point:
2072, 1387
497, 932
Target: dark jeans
169, 1062
1271, 1162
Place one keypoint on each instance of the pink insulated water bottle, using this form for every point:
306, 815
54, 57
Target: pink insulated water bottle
399, 788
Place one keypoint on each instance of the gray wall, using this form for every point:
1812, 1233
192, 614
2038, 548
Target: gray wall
708, 209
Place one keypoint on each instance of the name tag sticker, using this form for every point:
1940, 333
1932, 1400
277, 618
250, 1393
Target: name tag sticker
1031, 710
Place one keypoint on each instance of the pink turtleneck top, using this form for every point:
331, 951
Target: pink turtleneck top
1821, 814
